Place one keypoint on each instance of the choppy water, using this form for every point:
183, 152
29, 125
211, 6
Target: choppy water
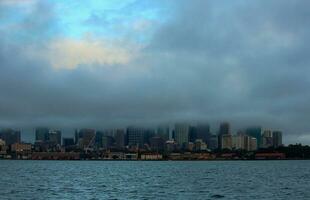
154, 180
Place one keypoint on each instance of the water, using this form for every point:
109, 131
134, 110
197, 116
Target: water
154, 180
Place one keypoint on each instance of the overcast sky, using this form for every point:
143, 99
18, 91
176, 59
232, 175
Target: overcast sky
75, 63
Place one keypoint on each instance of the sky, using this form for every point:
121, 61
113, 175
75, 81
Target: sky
112, 63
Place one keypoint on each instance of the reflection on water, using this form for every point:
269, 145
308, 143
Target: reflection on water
154, 180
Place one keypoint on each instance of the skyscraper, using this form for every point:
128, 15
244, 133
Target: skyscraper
135, 136
86, 138
224, 130
255, 132
203, 132
267, 139
120, 138
163, 132
277, 139
10, 136
181, 133
54, 137
42, 134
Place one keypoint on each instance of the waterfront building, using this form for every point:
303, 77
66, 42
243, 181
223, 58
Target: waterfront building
170, 146
21, 147
181, 133
277, 139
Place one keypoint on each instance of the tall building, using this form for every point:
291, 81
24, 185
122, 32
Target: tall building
120, 138
253, 144
277, 139
135, 136
224, 130
54, 137
86, 138
42, 134
10, 136
238, 141
67, 142
267, 139
181, 132
163, 132
255, 132
213, 142
192, 133
203, 132
107, 141
226, 141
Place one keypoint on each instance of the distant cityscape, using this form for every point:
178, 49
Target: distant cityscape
182, 142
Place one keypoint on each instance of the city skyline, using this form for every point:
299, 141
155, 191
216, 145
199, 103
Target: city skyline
113, 63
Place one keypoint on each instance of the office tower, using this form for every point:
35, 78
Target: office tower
255, 132
107, 142
163, 132
203, 132
267, 139
238, 141
67, 142
42, 134
120, 139
192, 133
224, 130
148, 134
226, 141
86, 138
2, 147
54, 137
253, 144
277, 139
181, 132
135, 136
213, 142
10, 136
98, 139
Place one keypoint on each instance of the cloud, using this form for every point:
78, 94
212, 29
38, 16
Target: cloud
71, 53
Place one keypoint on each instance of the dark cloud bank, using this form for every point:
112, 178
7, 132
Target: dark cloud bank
246, 62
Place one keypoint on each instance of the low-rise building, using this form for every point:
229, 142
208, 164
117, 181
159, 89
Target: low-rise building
21, 147
151, 157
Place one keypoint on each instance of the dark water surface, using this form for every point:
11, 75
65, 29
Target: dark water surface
154, 180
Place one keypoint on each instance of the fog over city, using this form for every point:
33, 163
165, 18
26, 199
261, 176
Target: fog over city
71, 64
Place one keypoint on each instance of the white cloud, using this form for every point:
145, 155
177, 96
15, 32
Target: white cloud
67, 53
